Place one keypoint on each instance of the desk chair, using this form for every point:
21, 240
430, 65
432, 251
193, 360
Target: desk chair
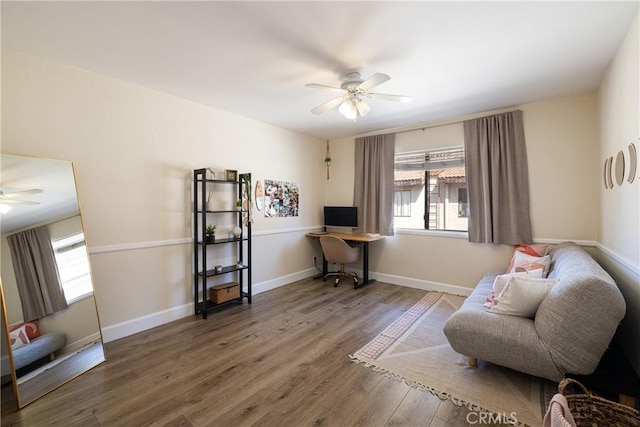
337, 251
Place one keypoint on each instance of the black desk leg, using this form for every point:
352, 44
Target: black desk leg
325, 269
325, 266
365, 265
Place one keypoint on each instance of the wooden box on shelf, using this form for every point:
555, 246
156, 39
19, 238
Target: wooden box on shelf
224, 292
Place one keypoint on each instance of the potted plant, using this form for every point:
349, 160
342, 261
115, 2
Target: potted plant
210, 233
239, 204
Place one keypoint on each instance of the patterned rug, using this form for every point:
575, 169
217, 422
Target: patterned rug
414, 349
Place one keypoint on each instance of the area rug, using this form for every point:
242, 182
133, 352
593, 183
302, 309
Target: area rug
414, 349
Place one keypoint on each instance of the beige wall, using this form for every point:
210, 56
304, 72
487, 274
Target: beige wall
134, 151
561, 139
618, 230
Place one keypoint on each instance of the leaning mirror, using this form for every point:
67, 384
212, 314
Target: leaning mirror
49, 309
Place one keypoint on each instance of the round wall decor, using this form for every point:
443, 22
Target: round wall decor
619, 171
633, 163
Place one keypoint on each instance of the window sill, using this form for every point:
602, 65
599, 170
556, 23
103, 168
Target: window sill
80, 298
437, 233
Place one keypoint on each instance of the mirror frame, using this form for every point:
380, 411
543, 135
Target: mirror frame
21, 403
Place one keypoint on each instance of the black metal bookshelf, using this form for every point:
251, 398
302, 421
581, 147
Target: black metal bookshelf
202, 216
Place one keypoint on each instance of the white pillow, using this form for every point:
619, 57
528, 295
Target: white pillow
521, 296
525, 262
18, 337
500, 281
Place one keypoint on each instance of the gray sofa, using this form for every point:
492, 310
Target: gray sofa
44, 345
571, 330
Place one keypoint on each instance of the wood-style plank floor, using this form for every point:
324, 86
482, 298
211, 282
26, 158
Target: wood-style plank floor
282, 361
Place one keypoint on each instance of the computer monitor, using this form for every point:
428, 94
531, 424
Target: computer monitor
341, 216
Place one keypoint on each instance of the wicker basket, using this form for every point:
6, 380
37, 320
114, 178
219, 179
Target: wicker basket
224, 292
594, 411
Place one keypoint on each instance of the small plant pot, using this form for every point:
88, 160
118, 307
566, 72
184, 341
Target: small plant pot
210, 239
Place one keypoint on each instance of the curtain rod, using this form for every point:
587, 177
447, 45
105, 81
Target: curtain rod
437, 123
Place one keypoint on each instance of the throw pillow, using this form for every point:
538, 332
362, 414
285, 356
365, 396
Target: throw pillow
30, 327
537, 249
500, 281
521, 296
524, 262
18, 337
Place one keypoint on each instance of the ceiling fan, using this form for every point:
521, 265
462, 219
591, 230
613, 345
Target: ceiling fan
352, 90
6, 199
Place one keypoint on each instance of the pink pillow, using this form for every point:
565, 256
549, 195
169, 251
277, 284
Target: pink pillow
537, 249
523, 262
31, 328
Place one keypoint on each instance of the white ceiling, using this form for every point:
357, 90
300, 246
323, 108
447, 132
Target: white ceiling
254, 58
54, 177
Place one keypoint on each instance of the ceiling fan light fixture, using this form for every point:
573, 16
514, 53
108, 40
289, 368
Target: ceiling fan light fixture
362, 107
353, 89
348, 109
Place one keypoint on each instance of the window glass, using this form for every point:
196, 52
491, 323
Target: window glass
73, 267
436, 182
402, 203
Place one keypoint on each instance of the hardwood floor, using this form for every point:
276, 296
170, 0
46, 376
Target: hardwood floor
283, 361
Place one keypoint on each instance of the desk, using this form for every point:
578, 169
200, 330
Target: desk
364, 239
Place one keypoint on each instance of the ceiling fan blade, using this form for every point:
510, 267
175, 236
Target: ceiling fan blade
397, 98
328, 105
373, 81
18, 202
324, 87
20, 193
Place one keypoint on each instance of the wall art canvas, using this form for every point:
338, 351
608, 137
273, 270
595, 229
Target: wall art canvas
281, 198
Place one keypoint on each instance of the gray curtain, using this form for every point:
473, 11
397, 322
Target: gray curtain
373, 183
36, 272
497, 179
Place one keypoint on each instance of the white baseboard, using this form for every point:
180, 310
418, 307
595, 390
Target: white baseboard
422, 284
139, 324
283, 280
78, 344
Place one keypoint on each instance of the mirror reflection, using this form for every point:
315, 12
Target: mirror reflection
50, 311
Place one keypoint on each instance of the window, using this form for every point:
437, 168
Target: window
73, 267
463, 205
438, 179
402, 203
